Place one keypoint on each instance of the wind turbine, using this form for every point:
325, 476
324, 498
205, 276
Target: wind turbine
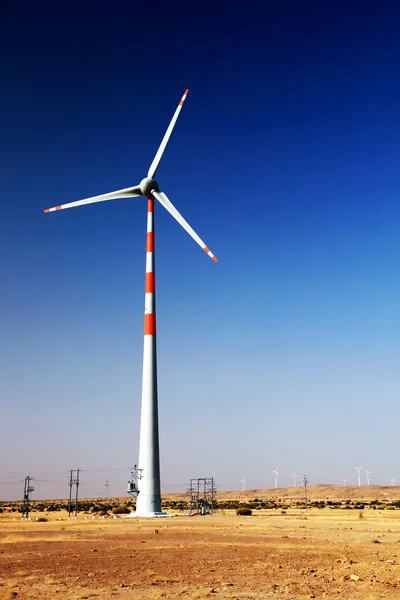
393, 481
368, 474
276, 476
243, 482
359, 477
149, 497
344, 481
294, 479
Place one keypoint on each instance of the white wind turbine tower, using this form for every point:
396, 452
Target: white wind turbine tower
368, 474
344, 481
276, 476
294, 479
393, 481
149, 497
243, 482
359, 476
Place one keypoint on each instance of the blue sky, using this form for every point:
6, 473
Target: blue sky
284, 160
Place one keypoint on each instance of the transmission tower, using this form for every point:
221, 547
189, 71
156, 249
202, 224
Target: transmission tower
73, 481
106, 486
28, 489
305, 482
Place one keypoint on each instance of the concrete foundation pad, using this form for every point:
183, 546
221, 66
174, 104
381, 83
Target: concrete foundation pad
146, 515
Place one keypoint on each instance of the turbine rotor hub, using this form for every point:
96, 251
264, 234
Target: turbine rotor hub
147, 185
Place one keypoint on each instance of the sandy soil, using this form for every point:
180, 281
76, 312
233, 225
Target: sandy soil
331, 554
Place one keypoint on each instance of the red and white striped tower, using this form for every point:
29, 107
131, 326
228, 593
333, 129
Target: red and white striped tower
149, 497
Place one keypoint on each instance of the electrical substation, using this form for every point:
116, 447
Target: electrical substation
202, 496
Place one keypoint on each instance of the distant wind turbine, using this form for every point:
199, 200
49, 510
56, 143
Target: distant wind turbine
294, 479
393, 481
243, 482
359, 476
368, 474
344, 481
276, 476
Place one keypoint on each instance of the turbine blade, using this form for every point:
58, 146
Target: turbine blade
156, 161
167, 204
125, 193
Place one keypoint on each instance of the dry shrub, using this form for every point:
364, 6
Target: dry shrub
244, 511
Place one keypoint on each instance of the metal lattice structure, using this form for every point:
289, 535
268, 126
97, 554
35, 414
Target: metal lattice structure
73, 502
133, 483
202, 496
28, 489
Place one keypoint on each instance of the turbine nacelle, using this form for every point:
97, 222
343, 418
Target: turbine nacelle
147, 185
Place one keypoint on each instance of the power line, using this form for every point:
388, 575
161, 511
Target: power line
64, 471
11, 482
18, 473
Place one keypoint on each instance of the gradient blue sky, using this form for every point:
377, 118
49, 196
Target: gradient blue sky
285, 159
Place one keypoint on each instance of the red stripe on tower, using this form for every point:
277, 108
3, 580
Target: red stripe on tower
150, 324
150, 242
150, 283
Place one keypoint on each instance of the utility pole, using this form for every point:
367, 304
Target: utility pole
27, 490
106, 497
305, 481
71, 481
76, 492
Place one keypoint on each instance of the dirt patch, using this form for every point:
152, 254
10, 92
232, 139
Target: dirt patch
224, 556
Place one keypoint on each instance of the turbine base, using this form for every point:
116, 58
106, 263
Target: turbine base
149, 515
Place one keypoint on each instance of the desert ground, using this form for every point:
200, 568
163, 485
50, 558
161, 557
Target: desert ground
274, 553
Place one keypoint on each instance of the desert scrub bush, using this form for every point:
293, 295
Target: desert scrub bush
374, 541
244, 511
42, 520
121, 510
